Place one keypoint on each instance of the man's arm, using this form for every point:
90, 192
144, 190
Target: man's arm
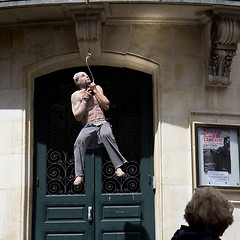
78, 106
102, 99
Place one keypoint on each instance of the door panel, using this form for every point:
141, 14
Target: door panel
74, 236
122, 208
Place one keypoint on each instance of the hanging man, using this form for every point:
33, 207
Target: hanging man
87, 106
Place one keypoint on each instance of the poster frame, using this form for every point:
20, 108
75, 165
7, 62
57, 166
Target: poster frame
199, 172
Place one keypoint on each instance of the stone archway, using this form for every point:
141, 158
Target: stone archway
72, 60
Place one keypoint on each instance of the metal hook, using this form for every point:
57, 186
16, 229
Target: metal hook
89, 56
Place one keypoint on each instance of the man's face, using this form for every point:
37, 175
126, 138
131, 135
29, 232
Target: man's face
83, 79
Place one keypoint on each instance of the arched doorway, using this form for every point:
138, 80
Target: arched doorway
121, 208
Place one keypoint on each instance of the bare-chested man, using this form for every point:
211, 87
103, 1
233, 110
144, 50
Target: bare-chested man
87, 106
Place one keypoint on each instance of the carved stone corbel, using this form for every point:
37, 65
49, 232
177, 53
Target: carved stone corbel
225, 36
88, 25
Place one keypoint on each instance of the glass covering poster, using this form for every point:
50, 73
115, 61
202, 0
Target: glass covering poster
218, 156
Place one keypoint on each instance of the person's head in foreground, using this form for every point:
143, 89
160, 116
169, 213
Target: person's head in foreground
208, 215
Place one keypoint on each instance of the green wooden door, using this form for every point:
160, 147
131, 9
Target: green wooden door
104, 207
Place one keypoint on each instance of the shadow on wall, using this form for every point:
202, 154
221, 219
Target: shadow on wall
135, 232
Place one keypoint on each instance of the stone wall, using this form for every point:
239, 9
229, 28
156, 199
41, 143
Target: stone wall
175, 54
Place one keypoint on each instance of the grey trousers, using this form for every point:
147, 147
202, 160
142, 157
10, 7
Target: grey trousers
92, 136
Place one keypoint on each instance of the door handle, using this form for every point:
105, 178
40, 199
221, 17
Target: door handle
90, 214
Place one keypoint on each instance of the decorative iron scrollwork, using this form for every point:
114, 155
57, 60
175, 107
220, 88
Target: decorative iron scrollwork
124, 116
130, 183
60, 174
62, 131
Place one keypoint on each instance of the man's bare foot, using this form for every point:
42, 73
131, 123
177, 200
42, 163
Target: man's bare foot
119, 172
78, 180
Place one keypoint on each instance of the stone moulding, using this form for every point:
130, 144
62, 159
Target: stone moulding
225, 36
88, 23
220, 67
88, 26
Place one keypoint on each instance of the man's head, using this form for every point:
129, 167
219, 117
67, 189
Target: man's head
81, 80
209, 211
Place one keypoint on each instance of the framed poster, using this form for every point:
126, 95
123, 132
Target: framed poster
216, 156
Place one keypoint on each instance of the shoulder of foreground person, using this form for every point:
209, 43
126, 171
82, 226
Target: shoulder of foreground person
187, 233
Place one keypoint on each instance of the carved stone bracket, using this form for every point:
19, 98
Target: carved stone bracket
225, 36
88, 25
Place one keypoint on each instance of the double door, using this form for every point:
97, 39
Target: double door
104, 207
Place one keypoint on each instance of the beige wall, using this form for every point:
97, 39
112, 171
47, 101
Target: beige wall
176, 57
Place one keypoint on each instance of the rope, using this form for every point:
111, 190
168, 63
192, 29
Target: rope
89, 56
89, 52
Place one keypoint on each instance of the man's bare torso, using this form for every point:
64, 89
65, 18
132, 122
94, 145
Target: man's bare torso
93, 110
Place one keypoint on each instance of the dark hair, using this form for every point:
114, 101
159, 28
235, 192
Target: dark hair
210, 211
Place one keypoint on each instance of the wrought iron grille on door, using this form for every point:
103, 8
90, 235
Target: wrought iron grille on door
124, 116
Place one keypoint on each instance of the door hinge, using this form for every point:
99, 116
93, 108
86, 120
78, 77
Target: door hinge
153, 182
37, 182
